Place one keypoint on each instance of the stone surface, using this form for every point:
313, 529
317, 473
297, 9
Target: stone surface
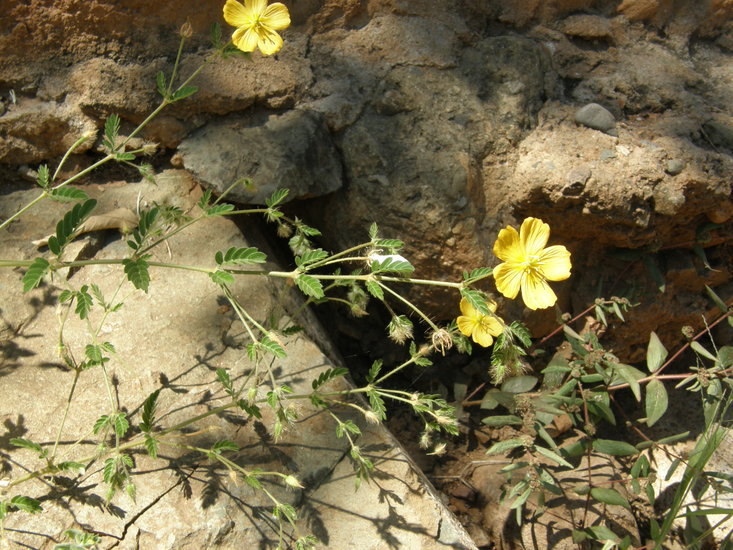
290, 151
171, 339
589, 27
431, 109
597, 117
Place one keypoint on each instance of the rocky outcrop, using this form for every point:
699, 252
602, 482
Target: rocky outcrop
171, 339
441, 122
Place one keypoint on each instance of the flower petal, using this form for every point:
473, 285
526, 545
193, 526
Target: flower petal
256, 7
482, 337
555, 263
236, 15
270, 42
507, 247
536, 293
466, 325
467, 309
245, 38
533, 235
493, 325
508, 278
276, 16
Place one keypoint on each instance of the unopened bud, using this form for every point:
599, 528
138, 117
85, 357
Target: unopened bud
149, 148
292, 481
400, 329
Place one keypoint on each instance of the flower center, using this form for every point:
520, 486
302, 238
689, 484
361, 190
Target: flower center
532, 265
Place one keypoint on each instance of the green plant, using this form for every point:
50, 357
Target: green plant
370, 270
580, 384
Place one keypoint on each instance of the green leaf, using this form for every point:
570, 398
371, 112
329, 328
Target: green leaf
160, 83
725, 357
67, 227
27, 444
311, 256
239, 256
377, 404
84, 302
43, 177
631, 376
70, 466
719, 302
479, 273
25, 504
121, 425
697, 347
219, 210
310, 286
137, 273
224, 379
519, 384
124, 156
373, 231
614, 448
505, 446
656, 401
347, 426
216, 35
374, 371
101, 423
68, 194
374, 289
390, 244
222, 278
656, 353
35, 273
224, 445
111, 130
609, 496
148, 415
183, 93
277, 197
392, 265
273, 347
499, 420
602, 533
547, 453
328, 375
94, 353
521, 499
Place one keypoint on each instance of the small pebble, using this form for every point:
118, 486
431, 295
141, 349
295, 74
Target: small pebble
597, 117
608, 154
674, 167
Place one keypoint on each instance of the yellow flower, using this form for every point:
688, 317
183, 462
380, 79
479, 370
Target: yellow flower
528, 265
481, 328
256, 24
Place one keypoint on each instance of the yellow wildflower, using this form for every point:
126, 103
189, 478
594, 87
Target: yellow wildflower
256, 24
481, 328
528, 265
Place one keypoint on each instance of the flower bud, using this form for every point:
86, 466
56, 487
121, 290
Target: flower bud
400, 329
292, 481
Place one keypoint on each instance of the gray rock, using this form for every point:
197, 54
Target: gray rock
293, 150
171, 339
674, 167
597, 117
